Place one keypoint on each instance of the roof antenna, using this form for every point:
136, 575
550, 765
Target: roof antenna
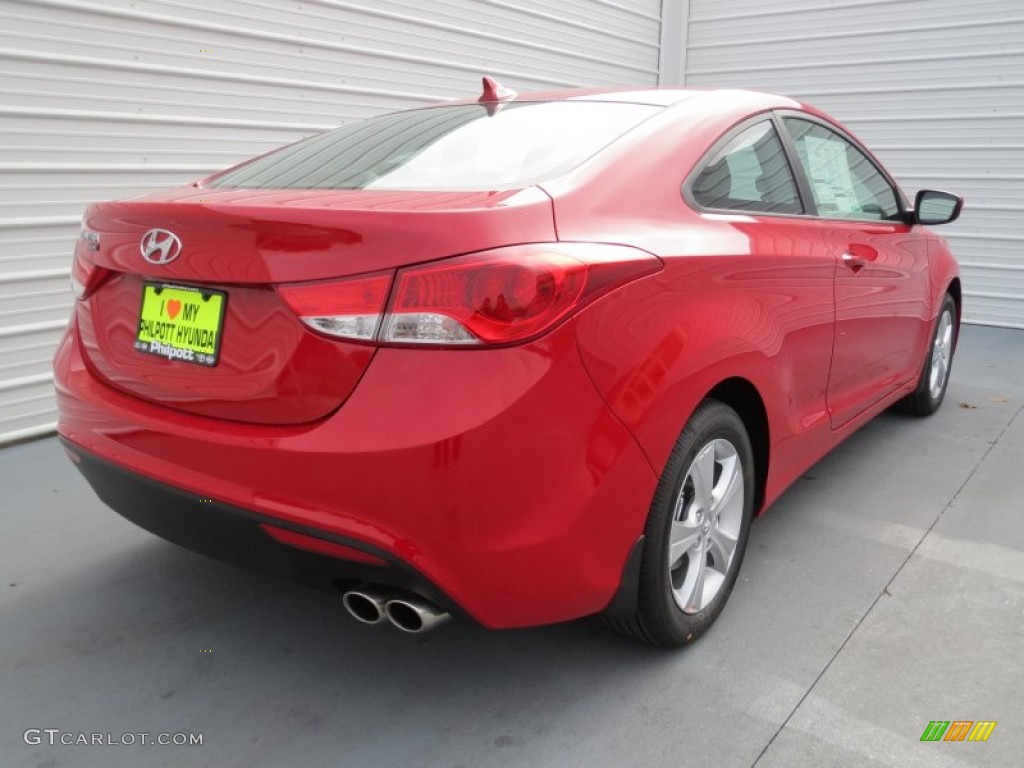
494, 93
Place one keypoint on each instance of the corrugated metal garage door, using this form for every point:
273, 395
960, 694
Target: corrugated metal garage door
107, 99
936, 87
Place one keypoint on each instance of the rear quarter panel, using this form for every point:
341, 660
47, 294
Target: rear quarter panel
758, 309
740, 296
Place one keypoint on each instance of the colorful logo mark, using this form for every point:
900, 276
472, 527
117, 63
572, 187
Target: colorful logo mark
958, 730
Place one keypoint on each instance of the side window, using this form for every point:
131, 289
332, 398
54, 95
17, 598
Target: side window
750, 173
845, 184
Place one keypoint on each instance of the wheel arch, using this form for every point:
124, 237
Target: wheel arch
744, 398
956, 292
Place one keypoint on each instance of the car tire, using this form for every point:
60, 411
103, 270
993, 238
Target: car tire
934, 380
700, 516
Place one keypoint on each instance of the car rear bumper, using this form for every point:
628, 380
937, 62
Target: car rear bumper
245, 538
496, 483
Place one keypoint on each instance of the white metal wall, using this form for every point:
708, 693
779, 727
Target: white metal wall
110, 98
935, 87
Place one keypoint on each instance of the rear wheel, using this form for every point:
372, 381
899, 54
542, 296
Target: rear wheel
696, 531
931, 389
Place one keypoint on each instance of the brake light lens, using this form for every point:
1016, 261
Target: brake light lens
504, 296
491, 298
507, 295
86, 276
350, 309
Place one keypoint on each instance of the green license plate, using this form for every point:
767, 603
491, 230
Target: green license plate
178, 322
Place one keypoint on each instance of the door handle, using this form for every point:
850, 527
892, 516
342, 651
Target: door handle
853, 262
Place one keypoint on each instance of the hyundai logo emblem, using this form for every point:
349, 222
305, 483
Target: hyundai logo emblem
159, 246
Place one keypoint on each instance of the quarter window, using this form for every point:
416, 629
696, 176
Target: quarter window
845, 184
750, 173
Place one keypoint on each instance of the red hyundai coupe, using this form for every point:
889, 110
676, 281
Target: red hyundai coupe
520, 359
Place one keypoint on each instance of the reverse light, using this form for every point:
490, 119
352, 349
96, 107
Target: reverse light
503, 296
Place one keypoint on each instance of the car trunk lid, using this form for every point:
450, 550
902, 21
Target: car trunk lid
240, 244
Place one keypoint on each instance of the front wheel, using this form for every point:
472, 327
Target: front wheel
696, 531
931, 389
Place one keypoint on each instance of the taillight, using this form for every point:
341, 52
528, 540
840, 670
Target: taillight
504, 296
350, 309
86, 275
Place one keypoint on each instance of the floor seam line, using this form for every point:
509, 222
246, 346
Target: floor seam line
892, 578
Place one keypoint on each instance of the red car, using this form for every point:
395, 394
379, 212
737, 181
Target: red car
520, 359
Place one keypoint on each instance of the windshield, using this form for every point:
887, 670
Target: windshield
446, 148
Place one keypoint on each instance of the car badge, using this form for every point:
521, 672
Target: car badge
160, 247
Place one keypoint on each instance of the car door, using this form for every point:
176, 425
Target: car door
881, 287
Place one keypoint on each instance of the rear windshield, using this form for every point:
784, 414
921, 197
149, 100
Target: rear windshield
446, 148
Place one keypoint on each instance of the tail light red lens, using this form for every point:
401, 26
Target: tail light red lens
490, 298
508, 295
505, 296
351, 308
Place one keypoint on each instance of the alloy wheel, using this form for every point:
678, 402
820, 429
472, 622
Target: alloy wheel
706, 524
942, 354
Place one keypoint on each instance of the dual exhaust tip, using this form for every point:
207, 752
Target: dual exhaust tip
410, 613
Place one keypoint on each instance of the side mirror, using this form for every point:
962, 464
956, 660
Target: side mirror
934, 207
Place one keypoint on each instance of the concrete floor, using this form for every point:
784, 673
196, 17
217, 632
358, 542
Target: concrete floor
885, 590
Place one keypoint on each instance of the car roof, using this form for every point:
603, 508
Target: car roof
662, 96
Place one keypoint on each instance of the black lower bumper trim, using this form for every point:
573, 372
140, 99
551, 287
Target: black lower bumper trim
233, 535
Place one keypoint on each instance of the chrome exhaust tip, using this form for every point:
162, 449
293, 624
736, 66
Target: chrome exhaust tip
414, 614
366, 603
